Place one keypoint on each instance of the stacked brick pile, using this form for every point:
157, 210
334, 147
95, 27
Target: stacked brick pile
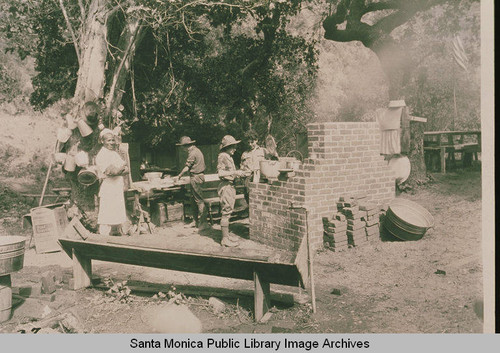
335, 232
355, 222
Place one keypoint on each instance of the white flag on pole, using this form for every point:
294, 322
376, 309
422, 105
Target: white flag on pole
459, 53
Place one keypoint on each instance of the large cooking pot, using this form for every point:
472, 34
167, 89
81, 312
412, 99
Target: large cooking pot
401, 167
87, 176
11, 253
290, 162
270, 169
407, 220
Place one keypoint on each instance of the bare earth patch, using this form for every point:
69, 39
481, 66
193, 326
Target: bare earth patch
384, 286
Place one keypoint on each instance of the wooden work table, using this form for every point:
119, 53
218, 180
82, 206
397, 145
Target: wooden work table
467, 143
166, 184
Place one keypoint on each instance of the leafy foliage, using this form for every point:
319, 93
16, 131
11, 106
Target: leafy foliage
202, 68
55, 57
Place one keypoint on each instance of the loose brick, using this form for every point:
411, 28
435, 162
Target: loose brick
371, 222
354, 216
372, 230
357, 225
368, 207
336, 230
48, 283
340, 217
356, 233
353, 209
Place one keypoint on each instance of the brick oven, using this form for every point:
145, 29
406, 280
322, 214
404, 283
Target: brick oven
344, 160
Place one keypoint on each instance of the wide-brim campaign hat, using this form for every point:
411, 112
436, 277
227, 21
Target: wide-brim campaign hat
228, 140
185, 140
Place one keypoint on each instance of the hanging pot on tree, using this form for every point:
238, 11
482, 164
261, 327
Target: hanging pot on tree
87, 176
70, 122
84, 128
69, 163
63, 134
82, 159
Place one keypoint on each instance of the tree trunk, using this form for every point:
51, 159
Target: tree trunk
93, 45
416, 154
91, 87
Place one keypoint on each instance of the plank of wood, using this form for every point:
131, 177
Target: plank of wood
262, 296
82, 270
210, 264
229, 252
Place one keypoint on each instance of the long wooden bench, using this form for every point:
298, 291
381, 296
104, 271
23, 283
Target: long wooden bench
231, 264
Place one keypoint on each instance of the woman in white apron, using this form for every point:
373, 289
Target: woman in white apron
111, 198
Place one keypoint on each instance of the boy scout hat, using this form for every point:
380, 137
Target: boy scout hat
185, 140
228, 140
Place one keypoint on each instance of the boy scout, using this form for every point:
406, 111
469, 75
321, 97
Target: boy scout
195, 164
226, 190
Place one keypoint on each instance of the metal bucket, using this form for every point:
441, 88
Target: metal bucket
69, 163
59, 157
70, 122
290, 163
407, 220
5, 302
11, 254
63, 134
87, 176
84, 128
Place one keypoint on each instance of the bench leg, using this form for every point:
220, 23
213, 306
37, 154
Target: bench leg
467, 159
82, 271
262, 296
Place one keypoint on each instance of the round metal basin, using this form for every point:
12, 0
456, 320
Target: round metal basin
407, 220
11, 254
270, 169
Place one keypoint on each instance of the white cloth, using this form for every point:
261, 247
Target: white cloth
111, 198
390, 142
390, 118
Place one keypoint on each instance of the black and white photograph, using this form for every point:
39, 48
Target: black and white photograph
246, 167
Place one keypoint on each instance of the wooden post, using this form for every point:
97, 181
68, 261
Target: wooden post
262, 296
443, 160
82, 271
310, 259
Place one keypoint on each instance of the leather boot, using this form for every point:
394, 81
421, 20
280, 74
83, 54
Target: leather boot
226, 240
202, 220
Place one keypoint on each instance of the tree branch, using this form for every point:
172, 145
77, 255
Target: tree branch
73, 36
351, 12
82, 10
379, 6
406, 11
134, 29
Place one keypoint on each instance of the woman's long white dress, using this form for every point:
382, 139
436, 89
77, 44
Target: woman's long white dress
111, 197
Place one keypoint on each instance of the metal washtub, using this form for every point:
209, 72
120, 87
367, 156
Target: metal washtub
407, 220
11, 254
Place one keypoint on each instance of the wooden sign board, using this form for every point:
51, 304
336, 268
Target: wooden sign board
48, 226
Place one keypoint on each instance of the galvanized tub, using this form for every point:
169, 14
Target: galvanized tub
5, 298
11, 253
407, 220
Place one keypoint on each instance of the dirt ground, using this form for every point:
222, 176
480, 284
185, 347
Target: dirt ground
384, 286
